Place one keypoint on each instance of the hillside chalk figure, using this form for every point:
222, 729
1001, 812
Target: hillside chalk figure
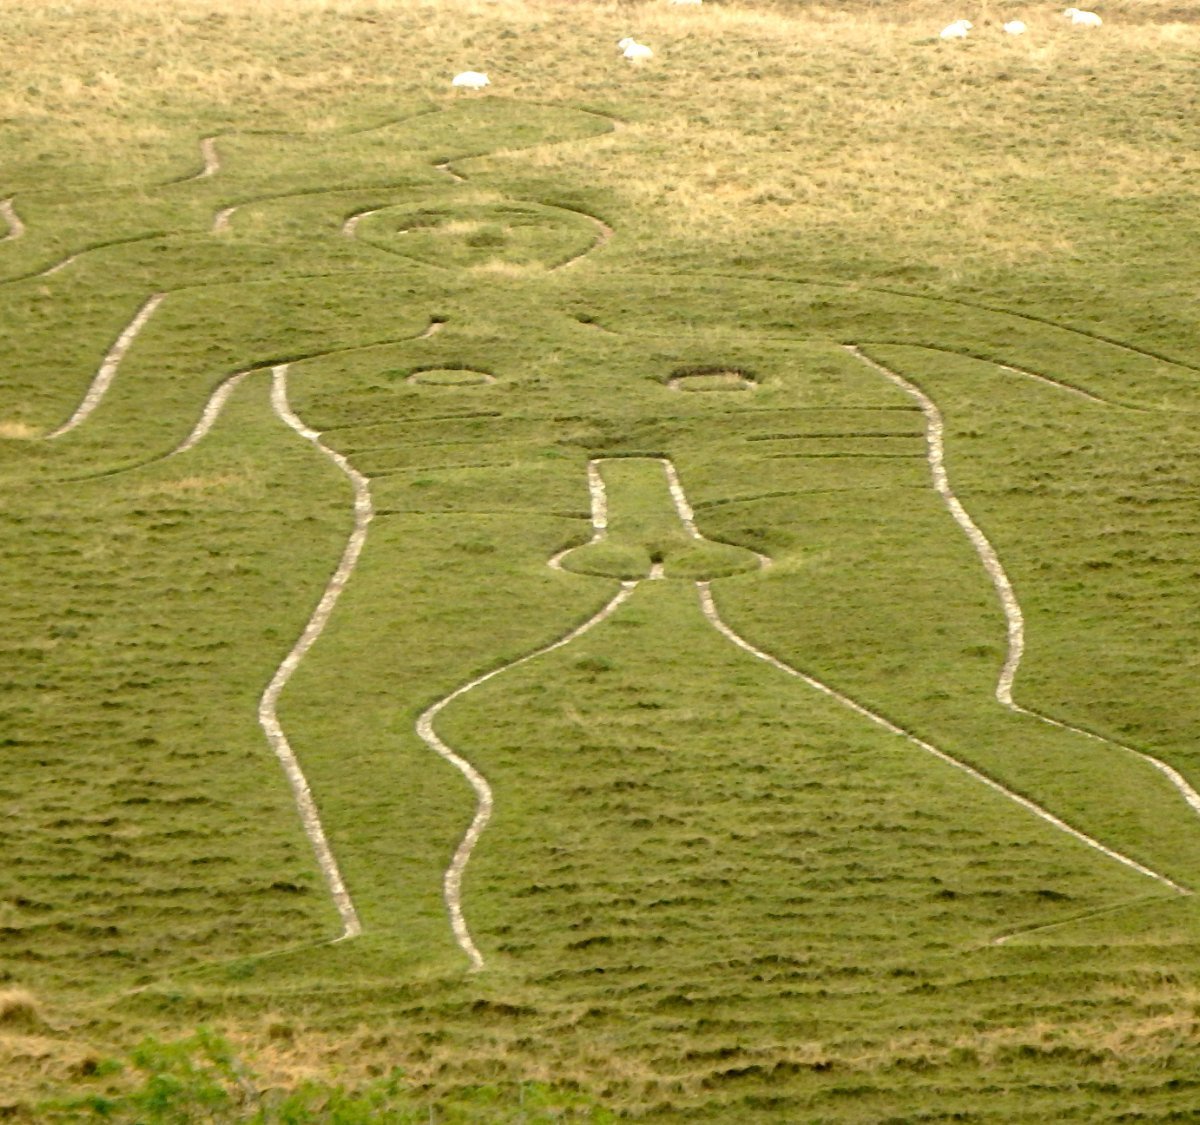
630, 562
631, 545
599, 589
727, 511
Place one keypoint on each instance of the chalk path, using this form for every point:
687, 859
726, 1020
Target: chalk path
604, 234
51, 270
1014, 618
352, 221
710, 611
686, 515
221, 219
452, 880
8, 212
224, 390
210, 413
211, 158
363, 511
108, 368
268, 705
1058, 384
1024, 372
599, 500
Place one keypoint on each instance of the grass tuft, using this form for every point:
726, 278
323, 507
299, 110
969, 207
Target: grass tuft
20, 1012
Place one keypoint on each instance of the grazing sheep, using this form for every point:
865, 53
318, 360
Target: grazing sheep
638, 51
471, 79
956, 30
1083, 19
1015, 27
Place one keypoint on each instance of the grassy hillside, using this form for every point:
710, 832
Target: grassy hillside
839, 768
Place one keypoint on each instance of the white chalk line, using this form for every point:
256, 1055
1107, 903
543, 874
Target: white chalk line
103, 378
1015, 620
599, 497
352, 221
59, 265
604, 234
935, 453
267, 708
675, 487
8, 212
210, 413
452, 880
1074, 919
710, 611
70, 258
212, 160
224, 390
221, 218
1057, 384
599, 514
1172, 775
686, 514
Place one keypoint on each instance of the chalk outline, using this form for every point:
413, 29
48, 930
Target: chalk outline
267, 708
107, 371
8, 212
1014, 618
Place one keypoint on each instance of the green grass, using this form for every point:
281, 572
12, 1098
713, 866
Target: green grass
644, 528
708, 891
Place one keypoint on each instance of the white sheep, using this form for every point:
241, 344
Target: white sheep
638, 51
1015, 27
1082, 19
471, 79
956, 30
626, 43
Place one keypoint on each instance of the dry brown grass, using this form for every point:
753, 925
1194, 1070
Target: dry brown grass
497, 267
19, 1012
1153, 1030
208, 483
753, 117
751, 121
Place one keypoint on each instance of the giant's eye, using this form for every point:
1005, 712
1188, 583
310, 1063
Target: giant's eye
450, 377
713, 377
